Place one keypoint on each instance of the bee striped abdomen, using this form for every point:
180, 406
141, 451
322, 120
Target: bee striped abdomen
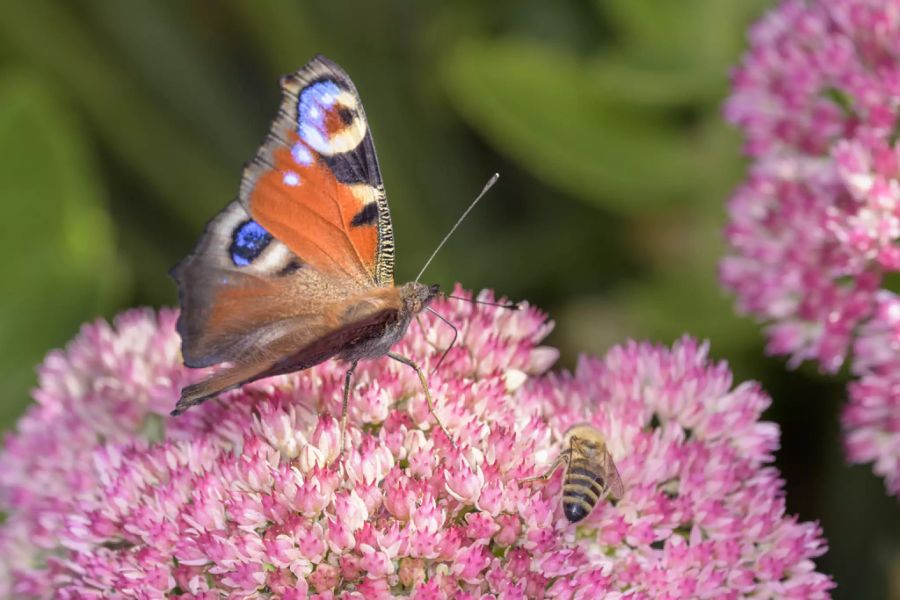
581, 490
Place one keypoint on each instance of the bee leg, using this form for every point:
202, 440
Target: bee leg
347, 378
414, 366
562, 458
604, 495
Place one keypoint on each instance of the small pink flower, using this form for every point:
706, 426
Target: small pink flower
369, 462
480, 527
326, 439
350, 510
469, 563
412, 572
339, 536
399, 495
325, 578
314, 492
377, 564
463, 481
510, 529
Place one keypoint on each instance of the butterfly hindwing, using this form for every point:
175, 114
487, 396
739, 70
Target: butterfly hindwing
248, 300
240, 286
315, 183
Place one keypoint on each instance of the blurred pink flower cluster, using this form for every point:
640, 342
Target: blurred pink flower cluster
815, 229
106, 496
872, 417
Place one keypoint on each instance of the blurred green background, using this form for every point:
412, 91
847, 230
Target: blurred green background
124, 126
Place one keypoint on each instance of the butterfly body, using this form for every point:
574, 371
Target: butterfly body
376, 339
299, 268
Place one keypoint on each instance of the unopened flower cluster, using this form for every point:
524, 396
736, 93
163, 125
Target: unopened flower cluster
106, 496
815, 229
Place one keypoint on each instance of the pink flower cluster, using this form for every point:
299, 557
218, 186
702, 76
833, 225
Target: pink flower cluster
239, 498
815, 229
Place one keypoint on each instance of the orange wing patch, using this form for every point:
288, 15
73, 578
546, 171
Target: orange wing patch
329, 225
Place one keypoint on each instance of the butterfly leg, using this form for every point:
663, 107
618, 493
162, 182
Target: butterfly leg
425, 333
414, 366
562, 458
348, 377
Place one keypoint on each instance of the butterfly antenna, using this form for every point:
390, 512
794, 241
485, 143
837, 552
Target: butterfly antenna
452, 343
507, 305
484, 191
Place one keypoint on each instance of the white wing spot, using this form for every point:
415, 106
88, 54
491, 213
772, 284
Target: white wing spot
301, 154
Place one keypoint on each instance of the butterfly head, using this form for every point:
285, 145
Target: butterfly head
416, 296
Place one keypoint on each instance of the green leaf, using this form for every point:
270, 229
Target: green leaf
60, 265
538, 105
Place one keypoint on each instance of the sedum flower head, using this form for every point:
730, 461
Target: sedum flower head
240, 497
815, 229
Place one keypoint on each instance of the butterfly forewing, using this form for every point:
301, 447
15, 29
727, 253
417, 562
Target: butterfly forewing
318, 166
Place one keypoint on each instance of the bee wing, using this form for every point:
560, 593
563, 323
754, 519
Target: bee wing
608, 472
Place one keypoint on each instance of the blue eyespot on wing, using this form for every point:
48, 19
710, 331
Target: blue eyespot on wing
248, 242
319, 121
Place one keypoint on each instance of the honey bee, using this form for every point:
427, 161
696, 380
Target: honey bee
591, 474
